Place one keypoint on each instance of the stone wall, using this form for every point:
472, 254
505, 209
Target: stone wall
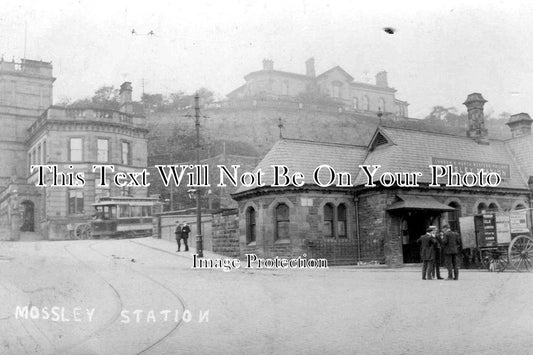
225, 232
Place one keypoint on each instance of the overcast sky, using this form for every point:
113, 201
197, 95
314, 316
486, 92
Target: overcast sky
439, 53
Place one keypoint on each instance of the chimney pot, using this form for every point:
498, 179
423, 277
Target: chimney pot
381, 79
476, 121
520, 124
310, 67
268, 64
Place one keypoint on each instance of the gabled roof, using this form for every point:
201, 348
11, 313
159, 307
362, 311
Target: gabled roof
305, 156
339, 69
414, 151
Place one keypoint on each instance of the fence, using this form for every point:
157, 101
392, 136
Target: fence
346, 251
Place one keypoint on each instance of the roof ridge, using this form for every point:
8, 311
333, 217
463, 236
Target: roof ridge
436, 133
308, 141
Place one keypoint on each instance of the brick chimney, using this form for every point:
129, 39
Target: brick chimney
126, 104
310, 67
268, 64
476, 122
520, 124
381, 79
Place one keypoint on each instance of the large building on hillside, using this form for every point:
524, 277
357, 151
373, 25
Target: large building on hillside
73, 139
380, 223
335, 84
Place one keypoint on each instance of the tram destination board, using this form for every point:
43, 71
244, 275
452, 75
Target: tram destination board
485, 225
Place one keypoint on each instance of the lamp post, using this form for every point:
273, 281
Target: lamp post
199, 241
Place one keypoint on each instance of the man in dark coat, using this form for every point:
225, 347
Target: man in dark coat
438, 253
427, 253
178, 234
185, 230
451, 246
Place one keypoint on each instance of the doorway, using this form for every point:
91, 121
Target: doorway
414, 225
28, 217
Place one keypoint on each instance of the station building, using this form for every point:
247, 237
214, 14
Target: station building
382, 223
34, 132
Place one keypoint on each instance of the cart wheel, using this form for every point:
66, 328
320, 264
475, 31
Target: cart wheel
83, 231
494, 260
521, 253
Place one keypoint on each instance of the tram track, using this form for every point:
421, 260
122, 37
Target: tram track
111, 320
172, 292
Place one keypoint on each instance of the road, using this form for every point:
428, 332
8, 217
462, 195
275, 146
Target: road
141, 297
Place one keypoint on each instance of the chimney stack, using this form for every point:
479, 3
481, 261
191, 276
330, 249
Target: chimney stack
381, 79
310, 67
126, 104
520, 124
268, 64
476, 122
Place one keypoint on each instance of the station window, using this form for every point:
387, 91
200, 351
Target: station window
335, 223
75, 201
328, 220
282, 221
102, 150
75, 149
250, 225
341, 221
125, 153
481, 208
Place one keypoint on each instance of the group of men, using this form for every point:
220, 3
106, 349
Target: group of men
432, 244
182, 232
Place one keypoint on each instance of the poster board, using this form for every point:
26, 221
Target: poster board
519, 222
468, 232
503, 228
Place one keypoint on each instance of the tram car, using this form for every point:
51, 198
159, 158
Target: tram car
122, 217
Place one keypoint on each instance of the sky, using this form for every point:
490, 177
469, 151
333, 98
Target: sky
439, 53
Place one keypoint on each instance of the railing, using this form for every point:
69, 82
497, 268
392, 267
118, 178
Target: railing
346, 251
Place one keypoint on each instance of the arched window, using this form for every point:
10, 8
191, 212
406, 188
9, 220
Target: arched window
453, 216
355, 103
328, 220
493, 207
520, 207
366, 103
482, 207
250, 225
341, 221
282, 221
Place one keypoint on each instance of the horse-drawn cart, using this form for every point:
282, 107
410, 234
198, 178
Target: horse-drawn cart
503, 240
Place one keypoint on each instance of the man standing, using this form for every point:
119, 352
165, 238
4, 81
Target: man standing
185, 230
427, 253
438, 252
178, 233
452, 246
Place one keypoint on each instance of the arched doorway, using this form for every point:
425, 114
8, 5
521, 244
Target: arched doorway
28, 217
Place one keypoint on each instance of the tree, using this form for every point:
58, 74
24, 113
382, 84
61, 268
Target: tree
106, 97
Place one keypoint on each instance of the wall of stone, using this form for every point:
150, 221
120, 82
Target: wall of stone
225, 233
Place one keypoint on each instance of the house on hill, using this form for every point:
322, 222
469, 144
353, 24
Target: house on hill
334, 86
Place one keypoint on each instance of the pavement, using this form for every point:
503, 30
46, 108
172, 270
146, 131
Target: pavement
138, 296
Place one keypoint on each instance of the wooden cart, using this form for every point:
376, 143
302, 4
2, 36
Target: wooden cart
504, 240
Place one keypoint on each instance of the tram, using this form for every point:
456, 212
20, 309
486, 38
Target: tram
120, 217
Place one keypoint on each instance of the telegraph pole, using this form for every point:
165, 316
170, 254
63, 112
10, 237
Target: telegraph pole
199, 241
